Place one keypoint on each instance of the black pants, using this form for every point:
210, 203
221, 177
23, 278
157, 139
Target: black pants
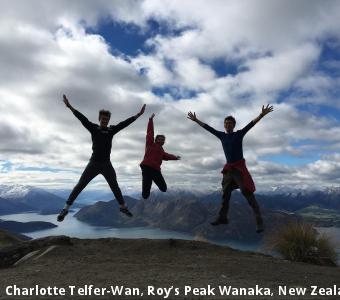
149, 174
91, 171
233, 180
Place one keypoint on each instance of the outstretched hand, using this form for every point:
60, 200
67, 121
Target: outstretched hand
178, 157
141, 111
152, 116
192, 116
266, 110
67, 103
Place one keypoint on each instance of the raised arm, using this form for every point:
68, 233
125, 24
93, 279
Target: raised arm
86, 123
68, 104
192, 116
128, 121
265, 110
150, 132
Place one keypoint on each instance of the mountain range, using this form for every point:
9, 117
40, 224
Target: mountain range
184, 211
22, 198
183, 214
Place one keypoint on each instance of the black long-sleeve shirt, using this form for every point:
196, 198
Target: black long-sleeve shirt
102, 137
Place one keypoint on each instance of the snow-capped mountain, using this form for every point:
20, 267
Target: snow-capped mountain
23, 198
301, 190
14, 191
27, 198
288, 191
333, 190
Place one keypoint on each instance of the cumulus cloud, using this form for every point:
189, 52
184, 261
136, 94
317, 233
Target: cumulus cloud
46, 50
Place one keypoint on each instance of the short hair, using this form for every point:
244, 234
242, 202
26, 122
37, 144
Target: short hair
230, 118
159, 135
104, 112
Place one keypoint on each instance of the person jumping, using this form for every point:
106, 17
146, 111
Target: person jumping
235, 172
100, 160
151, 164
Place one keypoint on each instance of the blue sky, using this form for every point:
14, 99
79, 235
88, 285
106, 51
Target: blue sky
217, 58
126, 39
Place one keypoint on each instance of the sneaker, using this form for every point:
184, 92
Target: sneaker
219, 221
62, 215
126, 211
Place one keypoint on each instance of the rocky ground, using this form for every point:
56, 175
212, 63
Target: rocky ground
143, 263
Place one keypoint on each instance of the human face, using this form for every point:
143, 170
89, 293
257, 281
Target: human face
104, 120
160, 140
229, 126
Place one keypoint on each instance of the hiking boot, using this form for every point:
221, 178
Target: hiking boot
219, 221
62, 215
126, 211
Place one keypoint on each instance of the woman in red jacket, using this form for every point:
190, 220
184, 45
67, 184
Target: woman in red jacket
151, 164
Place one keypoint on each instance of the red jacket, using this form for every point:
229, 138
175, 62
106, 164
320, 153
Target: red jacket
241, 166
154, 153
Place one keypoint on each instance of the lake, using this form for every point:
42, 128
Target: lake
74, 228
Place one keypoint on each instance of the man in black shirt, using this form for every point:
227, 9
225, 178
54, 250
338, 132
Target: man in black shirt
100, 160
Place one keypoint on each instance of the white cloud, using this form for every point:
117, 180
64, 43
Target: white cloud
46, 51
279, 72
